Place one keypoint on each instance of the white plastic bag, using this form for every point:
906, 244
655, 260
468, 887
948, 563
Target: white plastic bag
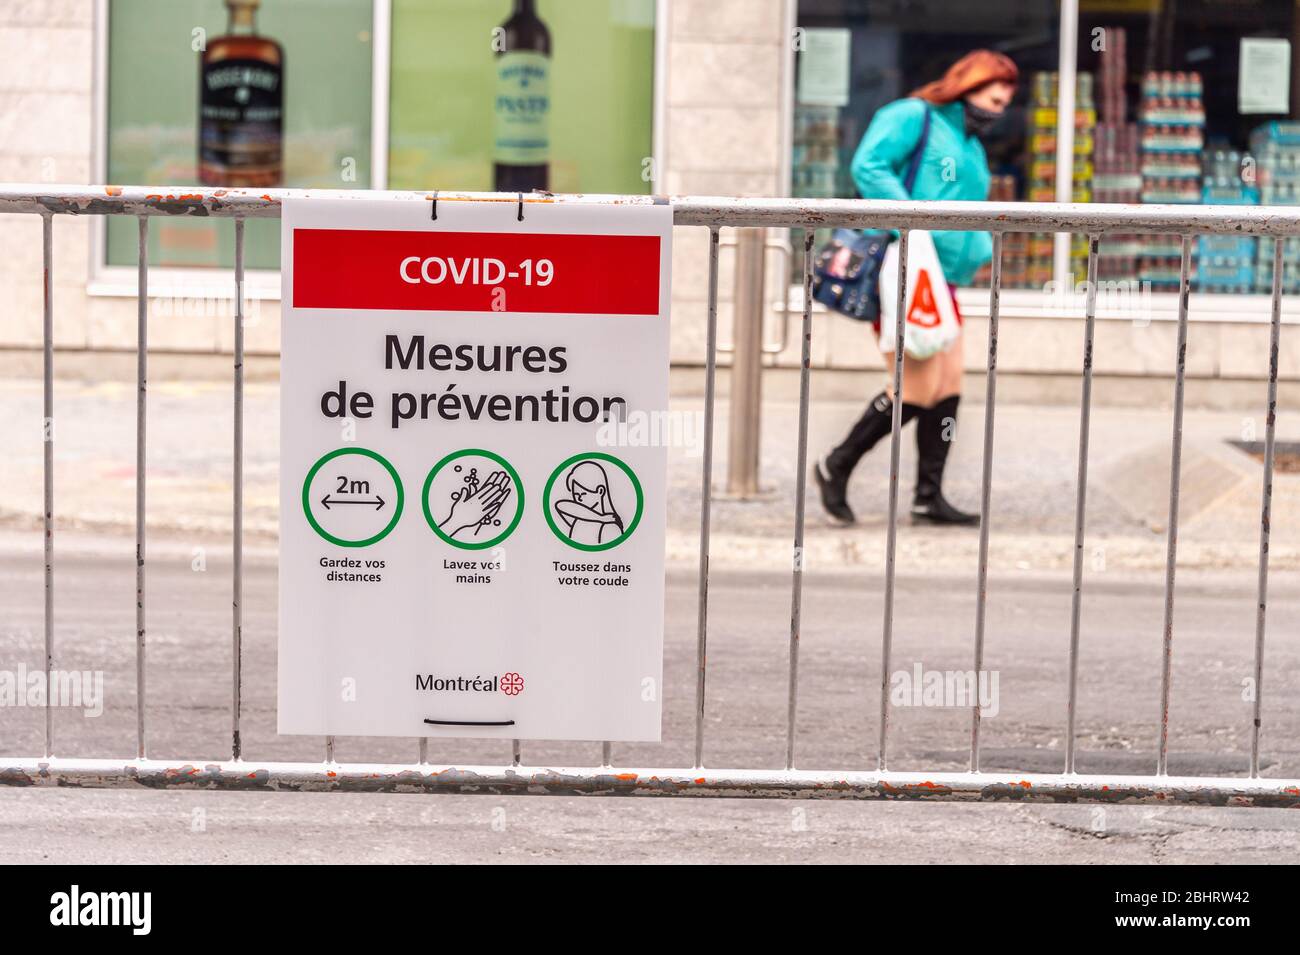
931, 324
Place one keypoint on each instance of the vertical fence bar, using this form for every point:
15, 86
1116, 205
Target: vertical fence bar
424, 749
1081, 498
1175, 480
891, 539
706, 496
47, 434
1266, 503
237, 519
986, 487
141, 407
516, 753
606, 754
329, 749
801, 486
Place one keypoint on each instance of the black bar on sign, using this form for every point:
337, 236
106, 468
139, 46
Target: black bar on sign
471, 722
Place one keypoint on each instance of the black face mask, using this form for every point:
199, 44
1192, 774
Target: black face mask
979, 121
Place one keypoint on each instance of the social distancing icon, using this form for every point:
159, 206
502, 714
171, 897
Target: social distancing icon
352, 497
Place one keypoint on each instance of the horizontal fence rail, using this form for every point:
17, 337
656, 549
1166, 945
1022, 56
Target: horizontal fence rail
610, 781
713, 213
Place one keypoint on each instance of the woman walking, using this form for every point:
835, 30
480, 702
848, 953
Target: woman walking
945, 120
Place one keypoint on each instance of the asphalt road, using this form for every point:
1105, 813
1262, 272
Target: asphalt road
1027, 644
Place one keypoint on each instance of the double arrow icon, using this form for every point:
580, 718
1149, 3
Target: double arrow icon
377, 503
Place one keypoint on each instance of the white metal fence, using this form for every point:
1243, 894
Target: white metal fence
1096, 221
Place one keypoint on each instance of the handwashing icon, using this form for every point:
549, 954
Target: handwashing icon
475, 505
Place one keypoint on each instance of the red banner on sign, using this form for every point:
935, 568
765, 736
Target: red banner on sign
476, 271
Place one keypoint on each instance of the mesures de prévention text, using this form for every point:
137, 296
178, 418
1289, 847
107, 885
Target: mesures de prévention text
450, 404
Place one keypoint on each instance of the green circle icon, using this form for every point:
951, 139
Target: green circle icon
567, 537
341, 541
513, 486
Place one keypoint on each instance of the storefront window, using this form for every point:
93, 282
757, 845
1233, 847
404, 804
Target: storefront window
1196, 104
514, 95
859, 55
284, 101
1193, 102
484, 95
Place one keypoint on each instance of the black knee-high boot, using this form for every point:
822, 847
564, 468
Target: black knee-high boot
935, 431
831, 474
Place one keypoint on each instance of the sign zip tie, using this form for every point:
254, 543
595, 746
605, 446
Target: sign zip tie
435, 205
521, 207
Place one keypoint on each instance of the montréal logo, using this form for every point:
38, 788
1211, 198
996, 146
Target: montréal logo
511, 683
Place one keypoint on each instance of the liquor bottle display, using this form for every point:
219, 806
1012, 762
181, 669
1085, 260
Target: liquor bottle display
241, 104
521, 141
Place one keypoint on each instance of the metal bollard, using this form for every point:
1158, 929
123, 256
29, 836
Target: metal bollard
746, 366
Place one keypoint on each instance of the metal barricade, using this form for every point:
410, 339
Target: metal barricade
420, 776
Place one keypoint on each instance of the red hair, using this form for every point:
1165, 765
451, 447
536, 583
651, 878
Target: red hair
973, 71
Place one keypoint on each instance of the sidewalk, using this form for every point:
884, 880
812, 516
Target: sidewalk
1033, 506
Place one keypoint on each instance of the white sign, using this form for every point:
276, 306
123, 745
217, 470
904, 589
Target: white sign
1264, 81
462, 552
824, 66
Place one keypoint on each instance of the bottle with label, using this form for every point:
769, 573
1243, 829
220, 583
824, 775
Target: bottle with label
521, 139
241, 104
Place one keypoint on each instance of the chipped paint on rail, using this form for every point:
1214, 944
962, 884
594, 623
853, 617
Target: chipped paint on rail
798, 784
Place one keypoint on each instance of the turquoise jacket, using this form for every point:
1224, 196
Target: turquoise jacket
953, 166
